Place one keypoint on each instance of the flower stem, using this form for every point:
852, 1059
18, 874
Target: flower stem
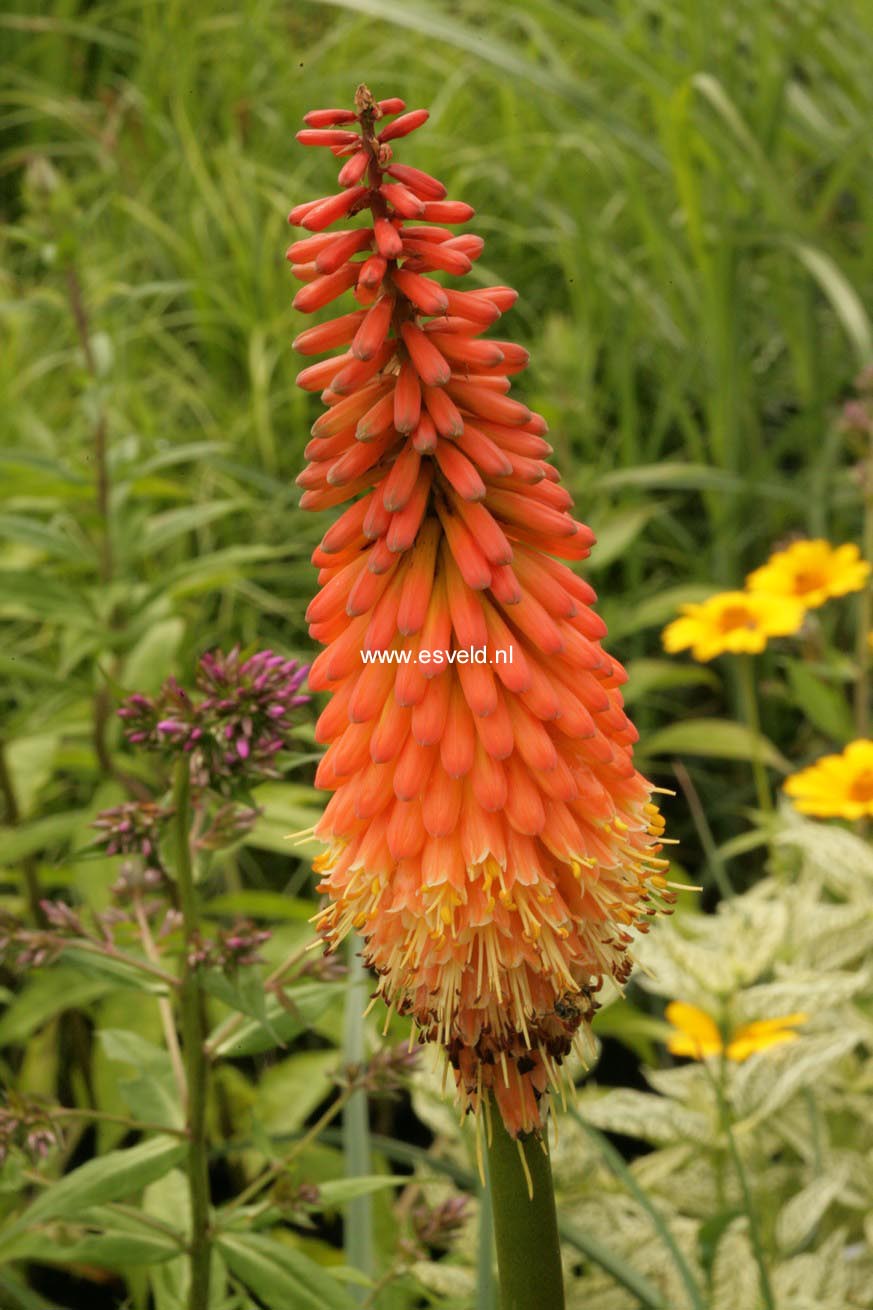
525, 1221
193, 1024
358, 1225
865, 610
720, 1085
753, 723
165, 1005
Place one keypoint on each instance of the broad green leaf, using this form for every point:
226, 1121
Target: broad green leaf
29, 761
716, 739
46, 994
151, 660
111, 1250
616, 532
824, 705
308, 1002
109, 1178
648, 675
262, 905
290, 1090
800, 1215
281, 1276
654, 611
169, 1196
120, 972
44, 537
165, 528
152, 1095
36, 835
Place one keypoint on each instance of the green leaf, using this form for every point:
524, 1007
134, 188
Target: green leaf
29, 761
339, 1190
845, 302
152, 1095
262, 905
720, 739
44, 537
681, 476
648, 675
38, 835
45, 995
308, 1002
119, 972
110, 1249
616, 532
823, 704
280, 1275
634, 1028
623, 619
109, 1178
245, 993
290, 1090
165, 528
151, 660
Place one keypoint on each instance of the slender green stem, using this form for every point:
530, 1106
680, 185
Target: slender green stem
193, 1024
165, 1005
110, 952
279, 1166
525, 1221
753, 722
103, 1116
616, 1163
713, 859
719, 1085
358, 1226
865, 611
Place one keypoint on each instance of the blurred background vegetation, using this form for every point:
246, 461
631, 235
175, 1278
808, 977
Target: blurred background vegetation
680, 192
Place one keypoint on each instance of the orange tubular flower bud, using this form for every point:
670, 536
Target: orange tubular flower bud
488, 834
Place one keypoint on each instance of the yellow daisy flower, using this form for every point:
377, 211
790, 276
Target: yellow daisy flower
697, 1036
811, 571
738, 622
836, 786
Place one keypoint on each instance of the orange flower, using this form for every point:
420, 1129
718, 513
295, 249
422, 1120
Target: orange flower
488, 835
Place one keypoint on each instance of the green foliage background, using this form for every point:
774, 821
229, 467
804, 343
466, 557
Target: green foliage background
680, 192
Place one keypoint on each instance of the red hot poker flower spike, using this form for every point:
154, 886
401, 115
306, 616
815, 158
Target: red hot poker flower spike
488, 835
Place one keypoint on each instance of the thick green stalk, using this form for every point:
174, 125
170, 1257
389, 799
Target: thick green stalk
525, 1225
193, 1024
358, 1224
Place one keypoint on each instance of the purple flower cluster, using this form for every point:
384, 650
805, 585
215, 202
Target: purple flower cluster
437, 1226
132, 828
234, 732
25, 1126
231, 949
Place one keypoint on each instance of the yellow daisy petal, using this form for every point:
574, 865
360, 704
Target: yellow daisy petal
734, 622
697, 1033
811, 571
837, 786
740, 1048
